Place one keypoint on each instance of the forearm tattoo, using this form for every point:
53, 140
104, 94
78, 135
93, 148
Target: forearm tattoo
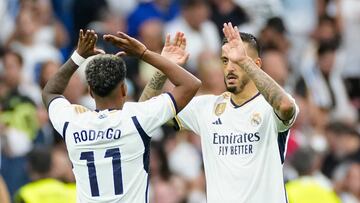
157, 81
271, 91
154, 86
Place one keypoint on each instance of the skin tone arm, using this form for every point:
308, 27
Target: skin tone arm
276, 96
4, 194
175, 52
55, 87
186, 85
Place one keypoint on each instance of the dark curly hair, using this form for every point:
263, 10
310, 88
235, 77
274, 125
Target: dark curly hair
104, 73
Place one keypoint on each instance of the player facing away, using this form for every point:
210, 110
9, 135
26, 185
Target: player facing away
109, 147
244, 130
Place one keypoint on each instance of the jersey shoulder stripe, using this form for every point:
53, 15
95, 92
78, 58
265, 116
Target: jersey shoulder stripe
146, 141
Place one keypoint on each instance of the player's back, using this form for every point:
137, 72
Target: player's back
108, 155
109, 149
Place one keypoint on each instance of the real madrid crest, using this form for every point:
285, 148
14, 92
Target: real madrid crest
220, 108
255, 119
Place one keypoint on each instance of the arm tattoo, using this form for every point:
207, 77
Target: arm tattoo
157, 81
272, 92
154, 86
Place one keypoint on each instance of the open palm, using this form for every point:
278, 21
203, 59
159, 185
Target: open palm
175, 51
234, 48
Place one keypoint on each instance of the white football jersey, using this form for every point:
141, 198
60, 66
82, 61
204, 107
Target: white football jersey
243, 147
109, 149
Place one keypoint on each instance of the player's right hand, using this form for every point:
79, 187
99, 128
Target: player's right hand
130, 46
175, 51
86, 44
234, 49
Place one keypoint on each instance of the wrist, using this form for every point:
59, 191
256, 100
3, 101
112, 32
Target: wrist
77, 58
143, 53
244, 61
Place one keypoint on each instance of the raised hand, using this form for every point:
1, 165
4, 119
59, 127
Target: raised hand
234, 48
175, 51
129, 45
86, 44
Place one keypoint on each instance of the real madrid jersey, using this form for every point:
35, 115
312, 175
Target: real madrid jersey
109, 149
243, 148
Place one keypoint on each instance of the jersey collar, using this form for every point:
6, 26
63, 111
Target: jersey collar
112, 109
237, 106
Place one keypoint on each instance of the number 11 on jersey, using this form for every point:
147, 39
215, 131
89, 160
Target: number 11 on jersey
116, 165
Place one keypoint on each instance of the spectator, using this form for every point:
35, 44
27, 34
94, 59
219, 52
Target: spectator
223, 11
23, 42
49, 30
344, 147
89, 10
201, 33
349, 187
162, 10
273, 36
108, 22
210, 74
46, 134
327, 86
274, 63
162, 179
325, 32
43, 188
18, 116
308, 188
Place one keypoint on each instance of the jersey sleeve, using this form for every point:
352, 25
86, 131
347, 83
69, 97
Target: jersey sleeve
154, 112
282, 125
187, 118
60, 112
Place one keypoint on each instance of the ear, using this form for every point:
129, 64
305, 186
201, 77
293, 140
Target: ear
258, 62
91, 93
123, 89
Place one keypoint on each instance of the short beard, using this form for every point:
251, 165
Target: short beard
238, 89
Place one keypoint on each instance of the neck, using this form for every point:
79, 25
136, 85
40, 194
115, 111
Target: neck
247, 93
102, 103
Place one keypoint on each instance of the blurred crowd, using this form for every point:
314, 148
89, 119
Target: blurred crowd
310, 47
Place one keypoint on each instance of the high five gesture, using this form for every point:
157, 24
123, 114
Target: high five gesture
275, 95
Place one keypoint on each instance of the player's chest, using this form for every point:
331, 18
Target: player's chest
235, 132
225, 118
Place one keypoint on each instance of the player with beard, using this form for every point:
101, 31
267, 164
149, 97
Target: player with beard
243, 131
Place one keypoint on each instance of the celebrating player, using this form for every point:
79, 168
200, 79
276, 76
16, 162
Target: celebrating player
243, 131
109, 147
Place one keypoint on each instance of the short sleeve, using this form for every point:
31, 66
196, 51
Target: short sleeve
60, 112
154, 112
188, 117
280, 124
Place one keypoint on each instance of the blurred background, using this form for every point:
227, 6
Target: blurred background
310, 47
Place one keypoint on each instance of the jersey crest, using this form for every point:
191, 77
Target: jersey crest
255, 119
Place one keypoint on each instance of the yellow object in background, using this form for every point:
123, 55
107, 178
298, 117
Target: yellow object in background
46, 191
307, 190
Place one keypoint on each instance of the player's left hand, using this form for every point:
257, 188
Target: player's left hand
175, 51
234, 48
130, 46
86, 44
